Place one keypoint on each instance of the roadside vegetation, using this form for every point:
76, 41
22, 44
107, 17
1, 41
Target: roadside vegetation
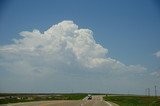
15, 98
134, 100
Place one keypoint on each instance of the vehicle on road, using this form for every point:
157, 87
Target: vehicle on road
89, 97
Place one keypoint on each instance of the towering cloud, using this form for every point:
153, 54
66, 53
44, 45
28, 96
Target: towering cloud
62, 48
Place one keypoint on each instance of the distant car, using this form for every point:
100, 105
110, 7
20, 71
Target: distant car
89, 97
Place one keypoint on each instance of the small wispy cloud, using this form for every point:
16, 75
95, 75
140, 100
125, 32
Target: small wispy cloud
156, 73
157, 54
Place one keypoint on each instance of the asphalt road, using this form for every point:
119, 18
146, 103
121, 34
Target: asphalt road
96, 101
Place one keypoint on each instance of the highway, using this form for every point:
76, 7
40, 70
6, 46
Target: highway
96, 101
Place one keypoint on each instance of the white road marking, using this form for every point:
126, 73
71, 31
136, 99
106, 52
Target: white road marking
82, 104
108, 103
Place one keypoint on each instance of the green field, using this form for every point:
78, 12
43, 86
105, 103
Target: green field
15, 98
134, 100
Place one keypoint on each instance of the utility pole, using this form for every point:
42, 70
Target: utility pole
155, 88
128, 92
148, 96
148, 91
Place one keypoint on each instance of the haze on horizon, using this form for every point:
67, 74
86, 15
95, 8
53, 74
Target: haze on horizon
80, 46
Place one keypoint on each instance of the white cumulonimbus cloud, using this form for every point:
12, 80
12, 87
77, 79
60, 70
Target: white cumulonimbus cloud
62, 48
157, 54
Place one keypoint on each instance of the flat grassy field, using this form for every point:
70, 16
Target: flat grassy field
134, 100
15, 98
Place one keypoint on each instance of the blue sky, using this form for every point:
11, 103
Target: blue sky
129, 29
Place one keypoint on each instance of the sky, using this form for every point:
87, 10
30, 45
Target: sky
108, 46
